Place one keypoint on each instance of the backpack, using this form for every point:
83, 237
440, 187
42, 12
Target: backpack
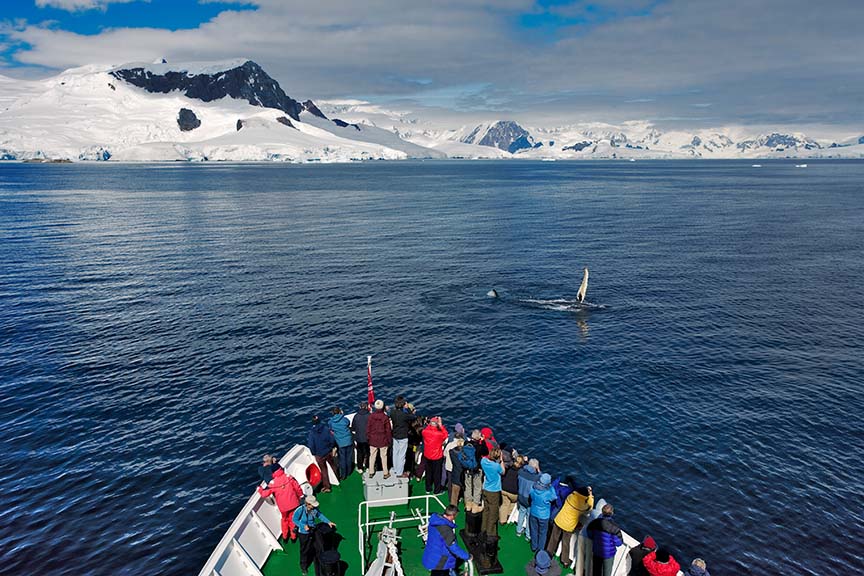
467, 457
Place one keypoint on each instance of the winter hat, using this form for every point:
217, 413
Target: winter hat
545, 479
648, 542
583, 490
662, 555
379, 404
542, 562
459, 428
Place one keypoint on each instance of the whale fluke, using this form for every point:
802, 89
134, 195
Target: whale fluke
492, 293
583, 288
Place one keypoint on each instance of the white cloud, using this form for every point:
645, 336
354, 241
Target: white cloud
79, 5
771, 61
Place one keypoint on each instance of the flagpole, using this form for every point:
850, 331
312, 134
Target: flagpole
369, 392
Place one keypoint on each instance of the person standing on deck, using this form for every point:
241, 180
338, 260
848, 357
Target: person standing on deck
400, 420
453, 442
265, 471
542, 495
509, 488
287, 492
442, 550
380, 435
452, 453
528, 476
605, 538
341, 429
577, 506
493, 469
359, 426
542, 565
321, 444
698, 568
637, 555
434, 437
661, 563
306, 517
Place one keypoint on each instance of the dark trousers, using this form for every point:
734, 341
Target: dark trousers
602, 566
346, 461
363, 455
558, 535
307, 550
323, 461
433, 475
491, 503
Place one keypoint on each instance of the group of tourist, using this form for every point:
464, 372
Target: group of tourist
474, 468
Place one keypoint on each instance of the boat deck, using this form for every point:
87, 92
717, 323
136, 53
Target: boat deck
341, 507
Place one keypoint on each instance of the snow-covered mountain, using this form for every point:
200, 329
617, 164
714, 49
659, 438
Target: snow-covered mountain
150, 112
235, 111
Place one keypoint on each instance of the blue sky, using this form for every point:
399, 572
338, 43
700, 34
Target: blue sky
700, 62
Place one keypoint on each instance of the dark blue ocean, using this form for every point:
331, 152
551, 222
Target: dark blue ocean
161, 326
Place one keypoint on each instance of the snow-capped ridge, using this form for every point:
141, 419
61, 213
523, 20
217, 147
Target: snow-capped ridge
242, 80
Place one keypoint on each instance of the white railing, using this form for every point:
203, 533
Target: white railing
364, 524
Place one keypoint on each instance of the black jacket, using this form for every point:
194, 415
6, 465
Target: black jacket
358, 425
401, 421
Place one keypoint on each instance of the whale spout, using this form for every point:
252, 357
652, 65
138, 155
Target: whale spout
583, 288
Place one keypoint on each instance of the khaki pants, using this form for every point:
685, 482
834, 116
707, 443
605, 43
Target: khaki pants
373, 459
508, 502
473, 486
455, 490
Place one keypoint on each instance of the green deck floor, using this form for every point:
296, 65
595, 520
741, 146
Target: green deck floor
340, 506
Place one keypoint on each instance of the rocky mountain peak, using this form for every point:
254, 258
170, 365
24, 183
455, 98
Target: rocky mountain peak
242, 81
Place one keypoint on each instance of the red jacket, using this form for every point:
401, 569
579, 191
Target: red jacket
433, 441
378, 429
286, 490
656, 568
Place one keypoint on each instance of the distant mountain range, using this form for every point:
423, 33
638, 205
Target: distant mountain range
234, 111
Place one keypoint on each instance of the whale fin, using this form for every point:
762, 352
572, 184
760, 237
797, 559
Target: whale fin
583, 288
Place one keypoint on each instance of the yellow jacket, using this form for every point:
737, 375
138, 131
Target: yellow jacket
575, 507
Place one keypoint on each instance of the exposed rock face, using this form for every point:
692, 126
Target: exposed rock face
187, 120
504, 135
239, 124
579, 146
310, 107
246, 82
779, 142
343, 124
285, 121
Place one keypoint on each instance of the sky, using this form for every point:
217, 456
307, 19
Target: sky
681, 63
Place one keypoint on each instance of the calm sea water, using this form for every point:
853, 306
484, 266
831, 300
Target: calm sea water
162, 326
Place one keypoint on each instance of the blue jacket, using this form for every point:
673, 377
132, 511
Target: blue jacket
441, 547
541, 501
341, 428
320, 439
527, 477
605, 536
493, 471
305, 520
696, 571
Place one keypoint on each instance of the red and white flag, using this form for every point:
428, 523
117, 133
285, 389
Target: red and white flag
369, 380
